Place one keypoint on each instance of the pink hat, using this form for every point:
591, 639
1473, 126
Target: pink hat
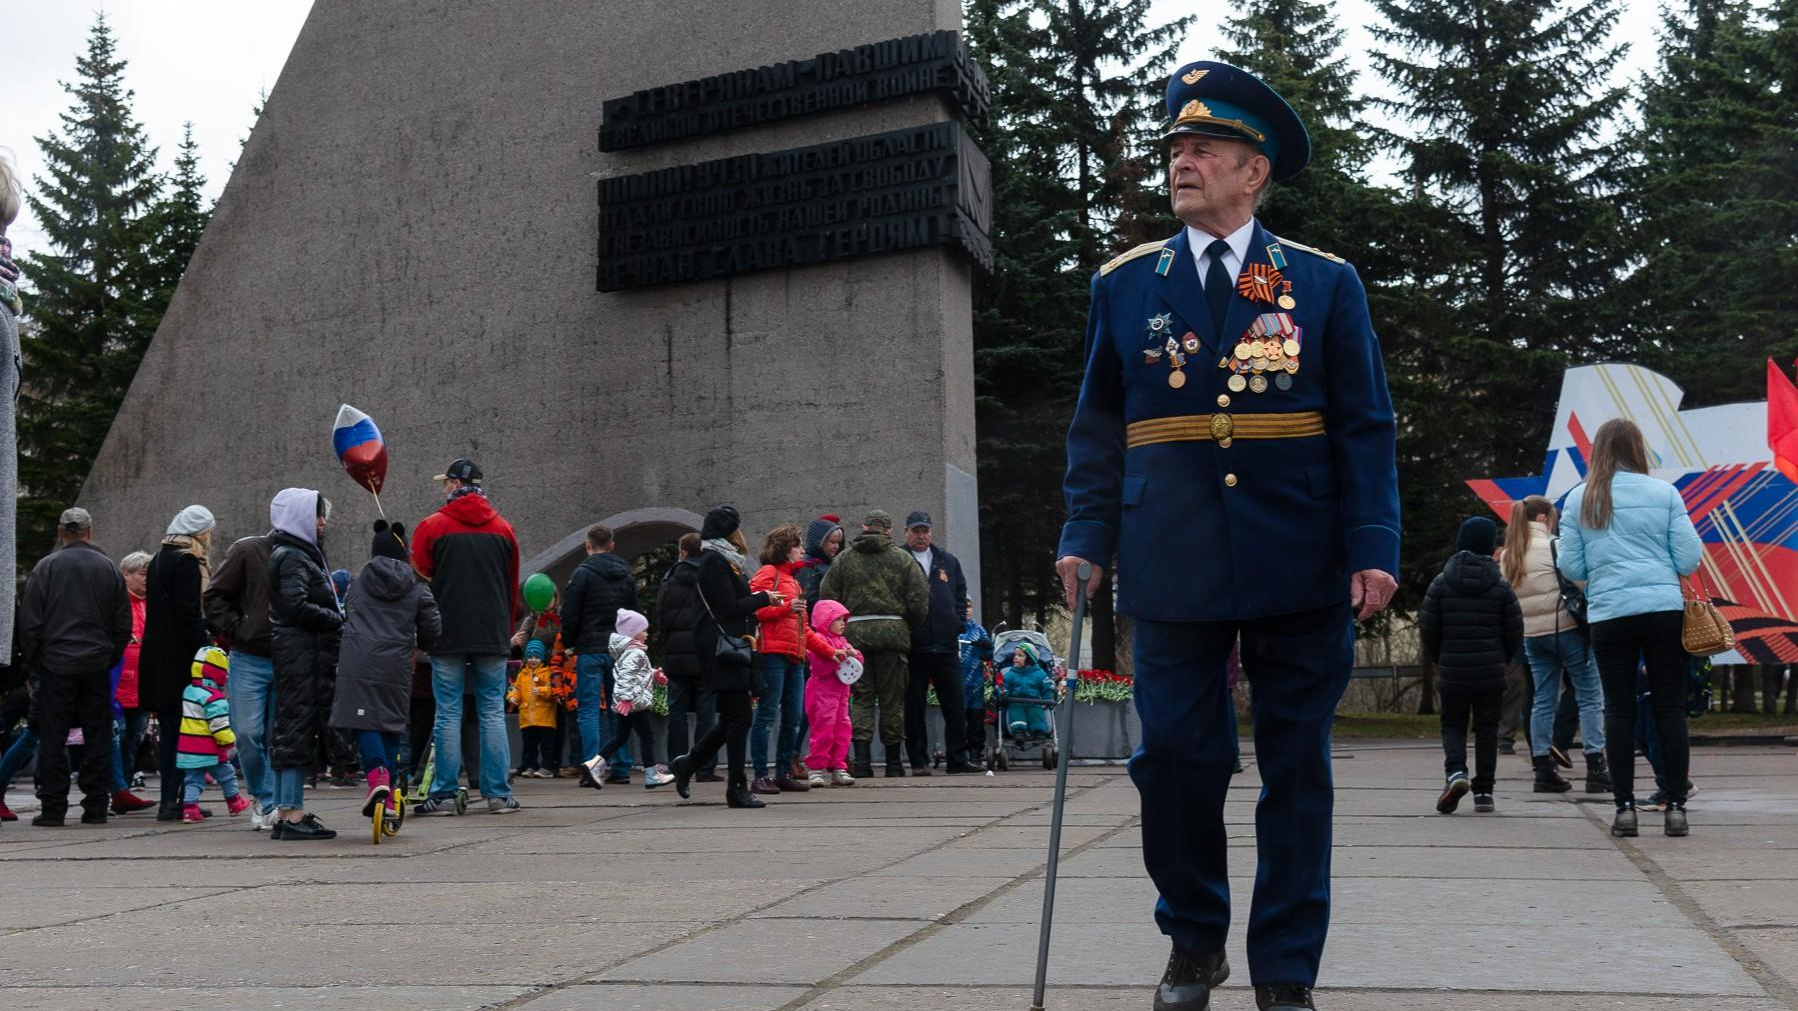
827, 612
630, 624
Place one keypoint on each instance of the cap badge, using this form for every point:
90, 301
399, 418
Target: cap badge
1194, 75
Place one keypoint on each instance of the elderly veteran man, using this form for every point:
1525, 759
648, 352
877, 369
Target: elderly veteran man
1233, 448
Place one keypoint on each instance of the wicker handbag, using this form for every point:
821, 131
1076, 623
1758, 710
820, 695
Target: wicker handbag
1704, 631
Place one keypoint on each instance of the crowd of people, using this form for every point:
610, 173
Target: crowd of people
1598, 607
271, 672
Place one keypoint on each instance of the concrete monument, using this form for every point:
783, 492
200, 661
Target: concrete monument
413, 228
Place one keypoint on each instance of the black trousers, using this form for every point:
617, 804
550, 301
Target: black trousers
944, 671
74, 700
1619, 644
1483, 703
685, 694
731, 732
974, 720
168, 743
537, 752
637, 722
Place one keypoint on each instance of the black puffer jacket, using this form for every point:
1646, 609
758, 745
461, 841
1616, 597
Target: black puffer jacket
678, 613
174, 628
725, 588
387, 611
1471, 623
599, 587
304, 625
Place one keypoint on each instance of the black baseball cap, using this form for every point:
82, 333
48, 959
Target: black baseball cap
463, 470
918, 518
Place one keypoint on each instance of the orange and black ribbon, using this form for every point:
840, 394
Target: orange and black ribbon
1258, 282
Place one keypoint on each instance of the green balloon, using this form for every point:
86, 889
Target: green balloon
539, 590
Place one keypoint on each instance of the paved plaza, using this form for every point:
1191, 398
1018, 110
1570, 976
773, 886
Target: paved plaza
910, 894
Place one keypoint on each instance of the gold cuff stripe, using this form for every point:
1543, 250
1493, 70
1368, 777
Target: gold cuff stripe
1203, 427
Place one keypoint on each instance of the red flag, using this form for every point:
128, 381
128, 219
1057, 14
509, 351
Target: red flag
1782, 421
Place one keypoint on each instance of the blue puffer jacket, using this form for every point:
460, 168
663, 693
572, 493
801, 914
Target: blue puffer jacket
1633, 566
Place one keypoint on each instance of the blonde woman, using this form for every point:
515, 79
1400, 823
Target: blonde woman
1553, 643
174, 629
1627, 535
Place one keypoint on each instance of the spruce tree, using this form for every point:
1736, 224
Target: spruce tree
1714, 201
94, 302
178, 221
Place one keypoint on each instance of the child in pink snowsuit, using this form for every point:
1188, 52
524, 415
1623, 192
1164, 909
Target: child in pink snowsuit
827, 696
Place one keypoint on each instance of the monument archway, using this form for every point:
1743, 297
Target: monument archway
633, 532
468, 242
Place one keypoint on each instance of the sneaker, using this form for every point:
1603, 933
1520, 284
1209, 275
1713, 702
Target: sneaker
190, 813
817, 779
593, 773
137, 781
1657, 801
379, 789
841, 777
656, 776
1482, 803
572, 772
236, 804
445, 804
307, 829
1452, 793
503, 805
1506, 747
260, 817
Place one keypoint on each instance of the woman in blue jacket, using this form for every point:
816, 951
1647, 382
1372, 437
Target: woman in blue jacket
1628, 537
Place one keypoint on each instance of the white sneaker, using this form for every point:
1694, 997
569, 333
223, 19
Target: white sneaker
260, 819
655, 776
593, 773
818, 777
841, 777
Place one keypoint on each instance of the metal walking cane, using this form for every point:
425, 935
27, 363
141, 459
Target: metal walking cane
1066, 747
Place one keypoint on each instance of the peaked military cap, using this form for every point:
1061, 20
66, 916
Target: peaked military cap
1213, 99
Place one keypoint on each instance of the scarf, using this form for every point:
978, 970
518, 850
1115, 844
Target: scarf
190, 546
9, 278
467, 489
728, 550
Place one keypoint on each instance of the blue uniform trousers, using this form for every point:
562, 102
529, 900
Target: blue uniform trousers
1299, 667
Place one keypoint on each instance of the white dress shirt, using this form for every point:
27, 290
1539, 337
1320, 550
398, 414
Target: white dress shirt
1197, 241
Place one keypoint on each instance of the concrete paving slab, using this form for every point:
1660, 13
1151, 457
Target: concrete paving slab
886, 898
1777, 950
1747, 903
688, 997
310, 998
22, 907
137, 950
1012, 998
767, 951
1520, 864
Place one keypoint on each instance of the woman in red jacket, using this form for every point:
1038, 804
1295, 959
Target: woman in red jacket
779, 661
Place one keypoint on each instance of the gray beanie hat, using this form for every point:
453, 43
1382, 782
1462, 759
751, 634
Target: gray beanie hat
195, 519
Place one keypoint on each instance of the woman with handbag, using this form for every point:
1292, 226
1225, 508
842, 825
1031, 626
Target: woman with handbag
725, 640
1627, 535
1554, 640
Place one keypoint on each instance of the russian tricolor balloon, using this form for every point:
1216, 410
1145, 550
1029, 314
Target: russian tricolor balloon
360, 448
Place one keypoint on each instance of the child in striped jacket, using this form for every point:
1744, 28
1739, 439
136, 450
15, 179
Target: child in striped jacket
207, 744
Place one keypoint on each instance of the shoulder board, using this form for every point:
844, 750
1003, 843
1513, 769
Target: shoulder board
1128, 255
1300, 246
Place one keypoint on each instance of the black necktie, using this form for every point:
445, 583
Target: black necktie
1217, 287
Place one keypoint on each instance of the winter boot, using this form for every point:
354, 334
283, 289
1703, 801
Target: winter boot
1548, 780
738, 795
863, 767
1598, 775
237, 804
1624, 825
379, 786
895, 765
190, 813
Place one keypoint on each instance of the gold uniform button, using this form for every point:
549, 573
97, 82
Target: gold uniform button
1229, 480
1223, 400
1224, 443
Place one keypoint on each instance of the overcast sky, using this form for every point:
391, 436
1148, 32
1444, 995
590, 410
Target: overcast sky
206, 61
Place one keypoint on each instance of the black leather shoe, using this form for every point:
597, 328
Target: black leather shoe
738, 795
168, 812
1284, 997
707, 777
48, 820
93, 817
961, 769
683, 776
1189, 980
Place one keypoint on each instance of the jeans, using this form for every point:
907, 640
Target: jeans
783, 681
684, 694
128, 739
592, 683
1481, 702
487, 676
290, 789
251, 689
24, 749
1619, 644
1549, 655
194, 781
378, 751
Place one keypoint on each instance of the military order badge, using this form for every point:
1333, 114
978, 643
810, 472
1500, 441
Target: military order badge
1162, 340
1267, 353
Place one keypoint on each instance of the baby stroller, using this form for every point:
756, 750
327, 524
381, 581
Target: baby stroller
1003, 746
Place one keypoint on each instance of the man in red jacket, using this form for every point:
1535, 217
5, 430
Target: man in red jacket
470, 555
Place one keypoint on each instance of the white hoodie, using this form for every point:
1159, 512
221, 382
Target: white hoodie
294, 512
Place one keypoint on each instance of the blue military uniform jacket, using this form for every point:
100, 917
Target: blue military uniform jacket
1227, 505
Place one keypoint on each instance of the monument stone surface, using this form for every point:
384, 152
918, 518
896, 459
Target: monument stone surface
414, 227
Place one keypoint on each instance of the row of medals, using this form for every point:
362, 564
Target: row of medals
1269, 349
